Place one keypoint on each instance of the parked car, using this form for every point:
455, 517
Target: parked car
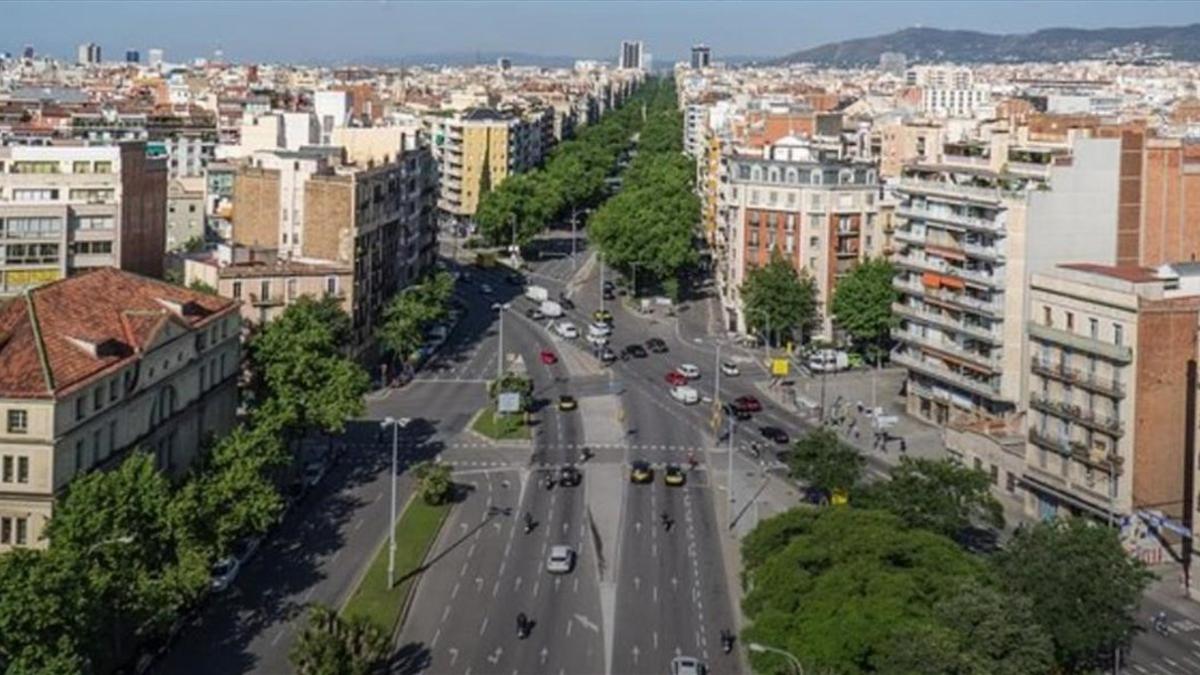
635, 351
641, 472
245, 549
314, 472
730, 368
548, 357
748, 404
566, 329
686, 665
224, 571
606, 355
535, 313
599, 329
656, 345
676, 378
569, 476
685, 395
736, 412
689, 370
828, 361
602, 316
597, 340
567, 403
779, 436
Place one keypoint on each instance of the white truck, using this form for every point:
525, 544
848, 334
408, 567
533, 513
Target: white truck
551, 308
537, 293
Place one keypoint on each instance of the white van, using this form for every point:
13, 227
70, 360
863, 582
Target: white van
566, 329
828, 361
685, 394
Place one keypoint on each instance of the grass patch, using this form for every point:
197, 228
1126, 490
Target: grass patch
501, 427
416, 530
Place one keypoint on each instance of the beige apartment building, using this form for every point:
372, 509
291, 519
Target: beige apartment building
96, 365
69, 208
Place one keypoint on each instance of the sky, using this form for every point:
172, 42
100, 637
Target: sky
320, 31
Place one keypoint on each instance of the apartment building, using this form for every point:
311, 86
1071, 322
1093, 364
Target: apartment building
334, 207
478, 149
969, 232
94, 366
632, 56
188, 140
185, 212
815, 207
65, 209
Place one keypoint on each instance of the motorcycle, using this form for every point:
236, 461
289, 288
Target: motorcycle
726, 641
548, 483
523, 625
528, 523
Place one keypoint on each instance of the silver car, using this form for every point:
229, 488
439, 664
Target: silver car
686, 665
561, 560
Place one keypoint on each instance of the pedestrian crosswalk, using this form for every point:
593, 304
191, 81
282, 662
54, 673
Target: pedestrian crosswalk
591, 446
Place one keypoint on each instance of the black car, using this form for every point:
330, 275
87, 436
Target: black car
609, 295
565, 302
737, 413
515, 279
774, 434
656, 345
609, 286
635, 351
569, 476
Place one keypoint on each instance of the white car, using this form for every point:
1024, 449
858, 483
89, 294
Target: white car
685, 394
689, 370
566, 329
597, 340
730, 368
600, 329
224, 571
686, 665
561, 560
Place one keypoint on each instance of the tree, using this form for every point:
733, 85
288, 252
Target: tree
1084, 587
411, 313
937, 495
843, 584
862, 303
779, 302
331, 645
201, 287
511, 382
436, 485
301, 369
43, 613
824, 462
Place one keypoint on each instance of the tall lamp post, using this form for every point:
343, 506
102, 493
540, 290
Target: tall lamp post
396, 425
759, 648
500, 346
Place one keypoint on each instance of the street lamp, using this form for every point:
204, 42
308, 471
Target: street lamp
396, 425
759, 648
500, 347
717, 406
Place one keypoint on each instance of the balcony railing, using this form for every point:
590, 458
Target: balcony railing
1078, 450
979, 251
989, 307
1075, 413
1088, 380
947, 216
992, 280
938, 371
942, 319
950, 347
1081, 343
266, 300
988, 195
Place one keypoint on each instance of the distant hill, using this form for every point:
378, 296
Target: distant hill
1050, 44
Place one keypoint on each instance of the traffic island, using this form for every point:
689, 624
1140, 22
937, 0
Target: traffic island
500, 427
416, 531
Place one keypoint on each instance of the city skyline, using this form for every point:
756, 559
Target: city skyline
393, 31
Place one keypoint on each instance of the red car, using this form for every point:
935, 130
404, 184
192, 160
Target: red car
549, 358
676, 378
748, 404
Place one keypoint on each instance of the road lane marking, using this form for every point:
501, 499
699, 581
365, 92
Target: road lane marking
570, 622
495, 657
536, 585
445, 613
278, 635
495, 588
502, 564
436, 634
587, 623
544, 653
655, 593
359, 524
517, 584
453, 655
576, 585
471, 551
463, 570
483, 627
454, 593
478, 584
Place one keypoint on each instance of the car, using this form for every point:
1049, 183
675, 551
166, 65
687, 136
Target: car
569, 476
245, 549
730, 368
313, 473
224, 571
689, 370
686, 665
535, 313
736, 412
607, 355
609, 286
641, 472
656, 345
567, 403
685, 395
602, 316
636, 351
496, 306
748, 404
674, 476
548, 357
609, 295
599, 329
561, 559
565, 301
597, 340
566, 329
485, 289
779, 436
676, 378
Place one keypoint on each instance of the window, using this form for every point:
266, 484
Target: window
22, 469
112, 436
79, 468
814, 221
6, 527
237, 290
1118, 338
33, 228
103, 167
98, 398
18, 421
331, 285
80, 407
814, 242
91, 195
93, 223
1070, 321
7, 473
995, 475
264, 289
22, 531
1047, 316
93, 247
34, 195
291, 288
1094, 328
112, 390
203, 376
98, 443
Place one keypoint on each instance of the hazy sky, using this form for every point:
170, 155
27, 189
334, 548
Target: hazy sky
346, 31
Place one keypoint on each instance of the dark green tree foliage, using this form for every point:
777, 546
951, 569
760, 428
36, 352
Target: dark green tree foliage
780, 302
436, 484
1084, 587
937, 495
862, 303
847, 587
414, 311
302, 372
823, 461
331, 645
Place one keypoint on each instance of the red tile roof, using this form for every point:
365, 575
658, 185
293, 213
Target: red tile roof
61, 336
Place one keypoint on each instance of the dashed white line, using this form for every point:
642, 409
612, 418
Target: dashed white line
483, 626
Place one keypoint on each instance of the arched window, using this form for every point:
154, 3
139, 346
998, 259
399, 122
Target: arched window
792, 176
774, 175
164, 406
756, 174
845, 177
816, 177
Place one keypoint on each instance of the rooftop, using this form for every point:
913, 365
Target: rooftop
1130, 273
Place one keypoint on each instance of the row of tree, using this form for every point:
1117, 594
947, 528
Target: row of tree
648, 230
411, 313
573, 177
886, 584
129, 550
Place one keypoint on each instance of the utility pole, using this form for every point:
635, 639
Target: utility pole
396, 425
500, 346
573, 214
601, 282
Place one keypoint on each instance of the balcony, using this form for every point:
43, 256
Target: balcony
947, 216
271, 300
990, 252
909, 237
940, 372
978, 277
1028, 169
985, 195
950, 348
1079, 343
1088, 418
1077, 450
1090, 381
944, 320
960, 300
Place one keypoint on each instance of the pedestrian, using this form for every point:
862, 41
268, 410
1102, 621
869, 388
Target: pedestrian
903, 446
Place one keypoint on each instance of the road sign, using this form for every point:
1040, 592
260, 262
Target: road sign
780, 367
509, 402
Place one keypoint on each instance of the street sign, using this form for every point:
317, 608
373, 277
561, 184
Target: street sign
780, 367
509, 402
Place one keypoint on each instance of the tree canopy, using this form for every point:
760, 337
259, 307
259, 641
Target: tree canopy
937, 495
331, 645
862, 303
824, 462
412, 312
779, 302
